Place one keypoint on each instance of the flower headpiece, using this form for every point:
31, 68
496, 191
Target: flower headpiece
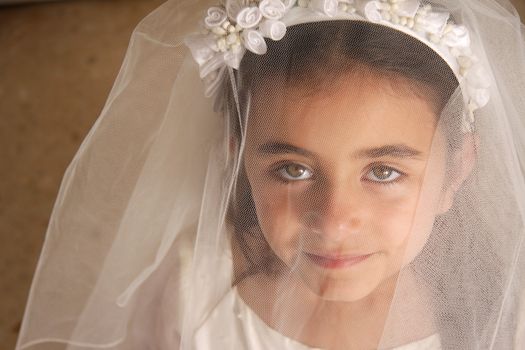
239, 25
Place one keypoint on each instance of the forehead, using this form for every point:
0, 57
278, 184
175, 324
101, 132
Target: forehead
357, 110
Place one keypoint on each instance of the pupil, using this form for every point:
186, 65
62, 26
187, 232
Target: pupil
382, 173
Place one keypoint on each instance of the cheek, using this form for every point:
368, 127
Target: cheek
277, 217
392, 221
412, 221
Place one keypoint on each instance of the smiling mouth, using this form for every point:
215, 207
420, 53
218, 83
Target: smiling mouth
336, 261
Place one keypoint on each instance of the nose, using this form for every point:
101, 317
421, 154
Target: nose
338, 211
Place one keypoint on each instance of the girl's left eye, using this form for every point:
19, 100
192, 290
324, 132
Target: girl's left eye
383, 173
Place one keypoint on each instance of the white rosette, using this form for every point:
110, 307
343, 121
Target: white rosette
274, 30
328, 7
249, 17
457, 36
371, 10
478, 97
272, 9
215, 18
433, 22
478, 84
254, 41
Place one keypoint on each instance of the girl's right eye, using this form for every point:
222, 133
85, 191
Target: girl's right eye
294, 172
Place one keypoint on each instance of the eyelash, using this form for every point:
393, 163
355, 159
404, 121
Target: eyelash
281, 175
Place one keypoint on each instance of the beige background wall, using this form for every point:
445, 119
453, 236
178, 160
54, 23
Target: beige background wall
57, 63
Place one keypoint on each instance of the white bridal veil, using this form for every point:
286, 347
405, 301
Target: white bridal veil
354, 180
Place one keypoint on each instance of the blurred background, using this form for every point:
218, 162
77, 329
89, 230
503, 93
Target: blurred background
58, 60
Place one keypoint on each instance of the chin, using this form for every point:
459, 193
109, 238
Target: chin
341, 284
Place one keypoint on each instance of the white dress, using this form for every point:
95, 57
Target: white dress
234, 325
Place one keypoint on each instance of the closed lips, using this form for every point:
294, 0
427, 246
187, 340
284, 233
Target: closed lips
336, 261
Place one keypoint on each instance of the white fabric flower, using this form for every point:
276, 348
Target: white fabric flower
254, 41
479, 97
477, 84
249, 17
458, 36
371, 10
274, 30
477, 77
434, 22
216, 17
328, 7
272, 9
251, 24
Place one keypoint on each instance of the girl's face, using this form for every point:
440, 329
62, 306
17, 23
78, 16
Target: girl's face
347, 182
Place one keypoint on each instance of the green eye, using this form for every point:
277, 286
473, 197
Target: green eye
383, 173
294, 172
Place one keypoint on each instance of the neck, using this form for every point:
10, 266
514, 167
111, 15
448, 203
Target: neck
333, 324
291, 308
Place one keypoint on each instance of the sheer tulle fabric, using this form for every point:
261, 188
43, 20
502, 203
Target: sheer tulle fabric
164, 233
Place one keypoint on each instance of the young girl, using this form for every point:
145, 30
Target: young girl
356, 184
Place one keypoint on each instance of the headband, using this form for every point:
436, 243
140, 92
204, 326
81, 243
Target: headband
239, 25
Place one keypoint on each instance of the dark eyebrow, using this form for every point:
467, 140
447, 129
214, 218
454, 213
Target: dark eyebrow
283, 148
396, 151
